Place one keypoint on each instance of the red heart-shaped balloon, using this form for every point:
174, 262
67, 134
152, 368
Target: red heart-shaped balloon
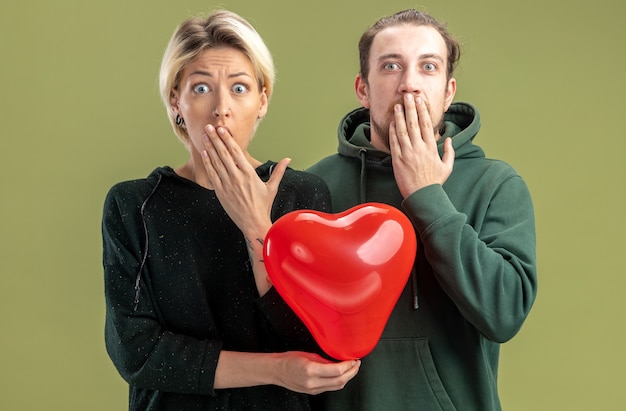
342, 273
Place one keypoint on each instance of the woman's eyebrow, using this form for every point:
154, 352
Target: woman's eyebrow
209, 74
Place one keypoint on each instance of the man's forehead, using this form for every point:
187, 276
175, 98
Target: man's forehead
408, 39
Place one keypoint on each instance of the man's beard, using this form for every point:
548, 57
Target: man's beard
383, 131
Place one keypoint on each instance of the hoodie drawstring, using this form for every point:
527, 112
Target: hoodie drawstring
363, 190
414, 284
363, 199
145, 251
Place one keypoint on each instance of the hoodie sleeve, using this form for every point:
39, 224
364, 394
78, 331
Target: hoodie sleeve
143, 352
488, 268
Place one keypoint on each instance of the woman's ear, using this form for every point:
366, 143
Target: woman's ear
362, 91
264, 103
174, 101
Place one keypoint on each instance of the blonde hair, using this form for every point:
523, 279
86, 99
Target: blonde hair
221, 28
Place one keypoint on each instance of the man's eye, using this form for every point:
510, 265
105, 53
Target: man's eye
240, 88
430, 67
391, 66
201, 88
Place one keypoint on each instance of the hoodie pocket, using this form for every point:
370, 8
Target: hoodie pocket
399, 374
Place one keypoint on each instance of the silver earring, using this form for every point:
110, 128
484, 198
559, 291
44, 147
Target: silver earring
180, 122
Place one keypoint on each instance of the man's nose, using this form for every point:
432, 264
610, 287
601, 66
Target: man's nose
410, 82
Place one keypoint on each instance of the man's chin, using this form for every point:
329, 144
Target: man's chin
380, 135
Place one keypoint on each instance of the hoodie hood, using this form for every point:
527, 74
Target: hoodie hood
462, 123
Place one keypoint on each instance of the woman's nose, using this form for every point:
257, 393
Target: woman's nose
222, 106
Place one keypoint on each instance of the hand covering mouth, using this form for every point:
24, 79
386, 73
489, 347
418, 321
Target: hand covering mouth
400, 101
223, 127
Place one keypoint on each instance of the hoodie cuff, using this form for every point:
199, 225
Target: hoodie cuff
427, 205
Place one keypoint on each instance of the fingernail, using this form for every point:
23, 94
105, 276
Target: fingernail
409, 96
418, 100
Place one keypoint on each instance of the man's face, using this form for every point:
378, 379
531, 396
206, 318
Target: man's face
405, 59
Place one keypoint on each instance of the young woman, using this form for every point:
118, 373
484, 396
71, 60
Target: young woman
192, 321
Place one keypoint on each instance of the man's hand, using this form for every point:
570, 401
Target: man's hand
413, 144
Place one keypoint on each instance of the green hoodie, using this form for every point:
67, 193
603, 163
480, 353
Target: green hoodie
474, 279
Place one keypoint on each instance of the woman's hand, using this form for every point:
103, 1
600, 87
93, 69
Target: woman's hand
311, 374
245, 197
297, 371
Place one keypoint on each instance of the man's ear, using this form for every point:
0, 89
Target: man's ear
362, 91
450, 92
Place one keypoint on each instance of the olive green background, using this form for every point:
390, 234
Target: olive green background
80, 111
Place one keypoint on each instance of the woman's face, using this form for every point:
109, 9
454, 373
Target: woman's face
220, 88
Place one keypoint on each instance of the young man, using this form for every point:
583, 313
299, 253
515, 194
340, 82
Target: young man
474, 277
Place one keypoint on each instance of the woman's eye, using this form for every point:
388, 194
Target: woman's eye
240, 88
391, 66
430, 67
201, 88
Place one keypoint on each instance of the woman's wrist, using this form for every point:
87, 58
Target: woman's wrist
255, 245
243, 369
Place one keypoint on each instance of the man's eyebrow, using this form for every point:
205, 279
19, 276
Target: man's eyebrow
421, 56
431, 56
389, 56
